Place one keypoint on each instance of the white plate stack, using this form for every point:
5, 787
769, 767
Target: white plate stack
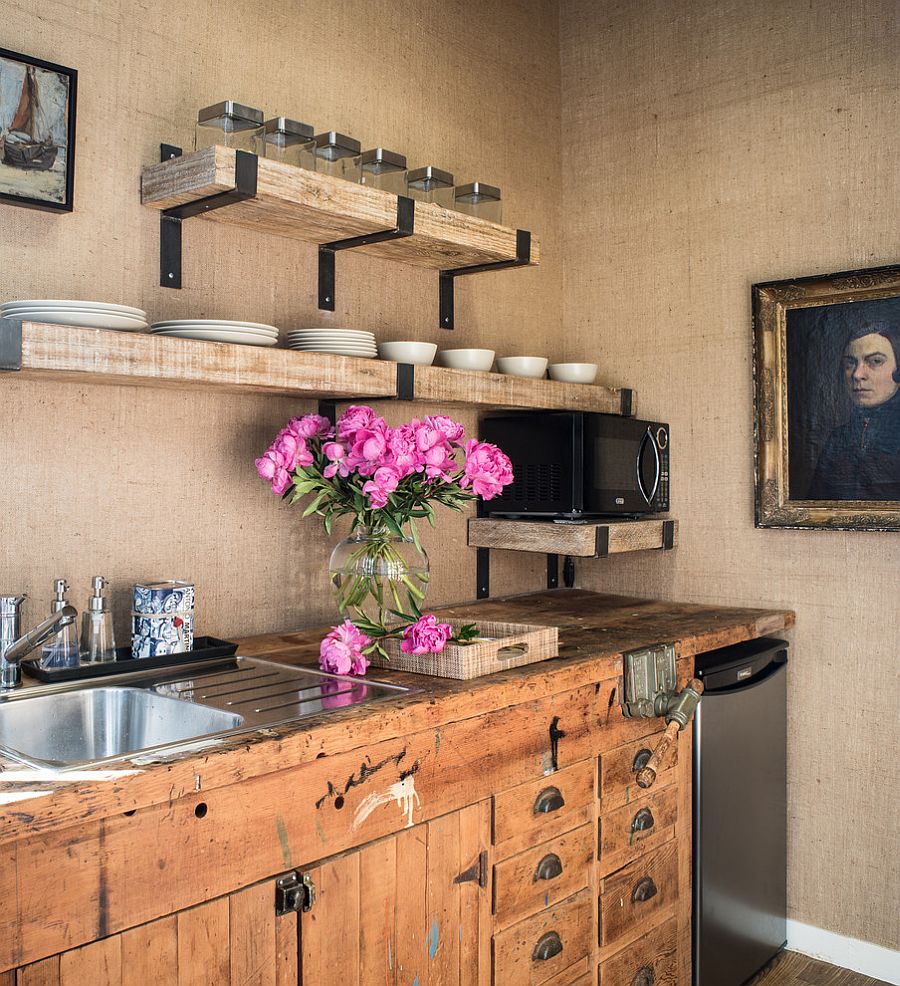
88, 314
217, 330
341, 342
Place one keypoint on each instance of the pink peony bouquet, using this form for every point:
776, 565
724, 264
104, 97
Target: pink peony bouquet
385, 479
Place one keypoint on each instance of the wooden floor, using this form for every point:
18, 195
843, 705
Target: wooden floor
794, 969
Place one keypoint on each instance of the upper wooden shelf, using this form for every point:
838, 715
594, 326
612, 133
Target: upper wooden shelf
309, 206
595, 539
140, 359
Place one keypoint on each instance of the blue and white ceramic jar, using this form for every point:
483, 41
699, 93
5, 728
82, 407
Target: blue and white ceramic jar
162, 619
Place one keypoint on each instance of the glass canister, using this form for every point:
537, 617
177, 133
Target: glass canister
383, 169
430, 184
229, 124
337, 155
288, 141
479, 199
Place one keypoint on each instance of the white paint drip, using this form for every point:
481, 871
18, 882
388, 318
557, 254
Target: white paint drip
12, 797
403, 794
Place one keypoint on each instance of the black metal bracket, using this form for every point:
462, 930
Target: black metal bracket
10, 344
569, 572
626, 397
601, 541
406, 381
668, 535
406, 217
294, 893
245, 176
552, 571
482, 573
447, 277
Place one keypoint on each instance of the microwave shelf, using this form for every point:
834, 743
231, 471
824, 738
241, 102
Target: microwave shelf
593, 539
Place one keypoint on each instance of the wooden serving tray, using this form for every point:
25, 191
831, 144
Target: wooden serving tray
500, 646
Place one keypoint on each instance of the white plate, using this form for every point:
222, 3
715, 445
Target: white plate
223, 335
329, 352
332, 337
87, 320
210, 335
220, 329
335, 345
95, 306
200, 323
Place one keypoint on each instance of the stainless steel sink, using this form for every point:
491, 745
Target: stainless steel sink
81, 724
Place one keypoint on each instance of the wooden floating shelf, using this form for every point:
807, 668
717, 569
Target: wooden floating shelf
592, 540
139, 359
306, 205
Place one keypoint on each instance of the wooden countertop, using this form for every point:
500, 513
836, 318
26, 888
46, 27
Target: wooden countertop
595, 629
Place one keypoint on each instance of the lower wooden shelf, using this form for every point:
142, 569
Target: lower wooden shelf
592, 540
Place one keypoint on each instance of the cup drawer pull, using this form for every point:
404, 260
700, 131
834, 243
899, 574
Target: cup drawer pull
548, 947
549, 800
643, 821
640, 759
645, 976
644, 889
549, 868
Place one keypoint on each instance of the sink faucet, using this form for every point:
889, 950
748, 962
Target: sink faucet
14, 647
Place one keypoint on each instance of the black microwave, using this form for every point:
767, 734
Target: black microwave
570, 464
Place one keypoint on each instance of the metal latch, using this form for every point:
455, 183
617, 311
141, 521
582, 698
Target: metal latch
294, 893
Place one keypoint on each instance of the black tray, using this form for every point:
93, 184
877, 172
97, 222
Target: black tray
205, 649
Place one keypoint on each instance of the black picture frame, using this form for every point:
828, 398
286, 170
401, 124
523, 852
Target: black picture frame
827, 410
71, 77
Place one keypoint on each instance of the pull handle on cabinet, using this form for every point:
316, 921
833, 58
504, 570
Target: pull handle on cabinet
549, 800
644, 889
645, 976
548, 947
643, 821
549, 868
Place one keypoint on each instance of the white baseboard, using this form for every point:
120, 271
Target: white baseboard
849, 953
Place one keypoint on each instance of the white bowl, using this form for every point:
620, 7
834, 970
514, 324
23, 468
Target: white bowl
573, 372
522, 366
416, 353
467, 359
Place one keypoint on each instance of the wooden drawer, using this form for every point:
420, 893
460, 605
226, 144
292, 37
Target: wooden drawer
638, 891
649, 961
631, 830
548, 873
538, 810
618, 768
578, 974
545, 946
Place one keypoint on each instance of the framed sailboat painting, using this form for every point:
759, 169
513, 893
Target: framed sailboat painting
37, 132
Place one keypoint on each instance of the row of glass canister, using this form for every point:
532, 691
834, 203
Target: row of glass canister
281, 139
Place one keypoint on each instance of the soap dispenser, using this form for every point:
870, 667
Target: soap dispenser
98, 645
61, 651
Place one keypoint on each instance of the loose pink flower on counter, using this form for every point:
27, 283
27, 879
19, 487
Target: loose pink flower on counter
426, 636
341, 651
487, 469
311, 426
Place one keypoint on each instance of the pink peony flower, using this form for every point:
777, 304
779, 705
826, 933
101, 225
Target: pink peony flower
405, 452
487, 469
426, 636
271, 467
311, 426
337, 460
379, 488
292, 449
452, 430
341, 651
369, 447
355, 417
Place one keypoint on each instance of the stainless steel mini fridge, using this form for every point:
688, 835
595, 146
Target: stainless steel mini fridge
740, 797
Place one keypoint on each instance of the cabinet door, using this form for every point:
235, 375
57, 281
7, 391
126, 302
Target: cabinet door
231, 941
410, 910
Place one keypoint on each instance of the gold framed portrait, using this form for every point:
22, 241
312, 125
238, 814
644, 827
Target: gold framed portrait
827, 401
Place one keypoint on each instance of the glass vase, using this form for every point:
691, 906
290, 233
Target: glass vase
374, 572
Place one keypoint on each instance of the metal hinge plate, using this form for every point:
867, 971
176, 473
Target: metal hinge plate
650, 680
294, 893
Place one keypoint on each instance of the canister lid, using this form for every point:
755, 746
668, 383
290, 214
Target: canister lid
378, 155
478, 189
432, 174
291, 128
331, 145
228, 109
164, 584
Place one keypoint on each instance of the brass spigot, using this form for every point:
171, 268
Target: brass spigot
679, 710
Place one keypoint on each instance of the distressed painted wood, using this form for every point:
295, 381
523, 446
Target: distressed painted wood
594, 631
622, 839
578, 540
251, 936
105, 356
638, 891
311, 206
655, 951
442, 385
150, 953
204, 958
618, 784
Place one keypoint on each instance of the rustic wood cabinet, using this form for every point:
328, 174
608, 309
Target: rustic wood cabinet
486, 833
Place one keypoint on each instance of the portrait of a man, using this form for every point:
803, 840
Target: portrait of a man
827, 364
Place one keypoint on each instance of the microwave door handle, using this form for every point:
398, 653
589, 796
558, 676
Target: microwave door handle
648, 438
